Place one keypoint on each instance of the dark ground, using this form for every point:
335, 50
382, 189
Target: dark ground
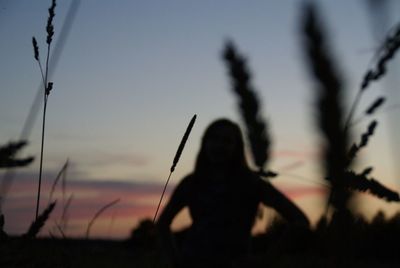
345, 242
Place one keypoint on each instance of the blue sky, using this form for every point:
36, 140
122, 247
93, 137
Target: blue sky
133, 73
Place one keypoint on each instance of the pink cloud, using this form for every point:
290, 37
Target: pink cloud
138, 201
295, 154
106, 158
295, 192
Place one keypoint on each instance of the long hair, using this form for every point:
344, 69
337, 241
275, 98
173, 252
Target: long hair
237, 162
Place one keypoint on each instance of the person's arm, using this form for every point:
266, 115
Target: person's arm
177, 201
270, 196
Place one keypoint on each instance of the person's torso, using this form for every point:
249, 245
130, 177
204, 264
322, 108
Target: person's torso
223, 213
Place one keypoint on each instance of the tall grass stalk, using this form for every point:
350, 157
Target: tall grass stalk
48, 86
30, 120
175, 162
61, 174
249, 107
328, 105
60, 229
386, 53
62, 224
98, 213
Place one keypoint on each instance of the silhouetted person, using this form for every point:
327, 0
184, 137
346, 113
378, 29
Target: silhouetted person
222, 195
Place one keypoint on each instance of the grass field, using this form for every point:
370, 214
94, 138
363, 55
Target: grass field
345, 242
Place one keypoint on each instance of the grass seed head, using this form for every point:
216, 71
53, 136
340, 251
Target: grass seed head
249, 105
50, 26
35, 48
182, 144
38, 224
375, 105
49, 88
387, 52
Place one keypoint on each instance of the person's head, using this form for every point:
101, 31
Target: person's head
221, 146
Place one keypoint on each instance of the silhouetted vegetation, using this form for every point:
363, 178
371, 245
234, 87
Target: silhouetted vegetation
98, 213
8, 154
257, 131
176, 160
223, 211
48, 86
329, 107
39, 222
337, 161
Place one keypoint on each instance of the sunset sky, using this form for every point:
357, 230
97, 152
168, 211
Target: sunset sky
133, 73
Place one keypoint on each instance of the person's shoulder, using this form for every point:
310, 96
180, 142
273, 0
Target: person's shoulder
257, 182
183, 187
250, 179
188, 178
252, 176
186, 181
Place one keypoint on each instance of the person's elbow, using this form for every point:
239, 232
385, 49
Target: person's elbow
301, 220
163, 225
